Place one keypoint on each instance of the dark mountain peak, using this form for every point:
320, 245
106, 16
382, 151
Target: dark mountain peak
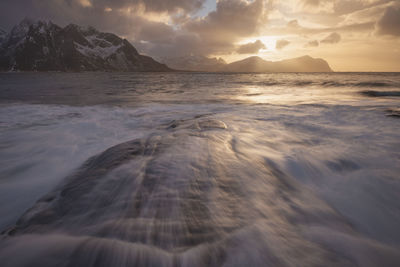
19, 31
27, 21
87, 31
28, 27
44, 46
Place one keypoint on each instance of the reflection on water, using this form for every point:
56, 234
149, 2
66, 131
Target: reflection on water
200, 170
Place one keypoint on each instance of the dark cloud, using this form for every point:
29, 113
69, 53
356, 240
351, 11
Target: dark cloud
215, 33
280, 44
314, 43
231, 20
90, 11
157, 6
389, 24
251, 48
139, 21
180, 44
332, 38
156, 32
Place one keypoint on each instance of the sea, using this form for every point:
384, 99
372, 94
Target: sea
199, 169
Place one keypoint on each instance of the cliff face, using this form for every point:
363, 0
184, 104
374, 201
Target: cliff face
44, 46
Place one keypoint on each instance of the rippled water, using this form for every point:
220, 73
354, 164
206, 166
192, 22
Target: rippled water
208, 169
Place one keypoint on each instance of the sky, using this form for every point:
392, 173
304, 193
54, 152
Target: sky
352, 35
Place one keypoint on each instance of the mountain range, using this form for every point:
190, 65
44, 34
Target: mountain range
250, 64
45, 46
300, 64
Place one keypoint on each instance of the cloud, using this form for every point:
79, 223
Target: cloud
332, 38
215, 33
280, 44
156, 32
293, 24
180, 27
156, 26
231, 20
314, 43
251, 48
140, 21
316, 6
157, 6
312, 2
340, 7
389, 23
104, 14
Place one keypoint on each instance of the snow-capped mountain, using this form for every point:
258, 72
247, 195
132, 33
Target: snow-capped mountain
194, 63
45, 46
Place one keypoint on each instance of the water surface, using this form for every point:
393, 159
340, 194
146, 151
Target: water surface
199, 169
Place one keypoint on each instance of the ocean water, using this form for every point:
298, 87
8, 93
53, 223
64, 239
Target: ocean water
199, 169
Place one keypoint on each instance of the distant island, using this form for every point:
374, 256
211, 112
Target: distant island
251, 64
45, 46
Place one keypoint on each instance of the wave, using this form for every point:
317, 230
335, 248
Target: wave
324, 84
373, 84
372, 93
395, 113
185, 196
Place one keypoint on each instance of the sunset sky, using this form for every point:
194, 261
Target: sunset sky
352, 35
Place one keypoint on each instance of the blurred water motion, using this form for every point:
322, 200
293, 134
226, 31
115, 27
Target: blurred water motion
199, 170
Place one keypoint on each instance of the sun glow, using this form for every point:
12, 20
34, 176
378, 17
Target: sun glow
269, 53
269, 41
